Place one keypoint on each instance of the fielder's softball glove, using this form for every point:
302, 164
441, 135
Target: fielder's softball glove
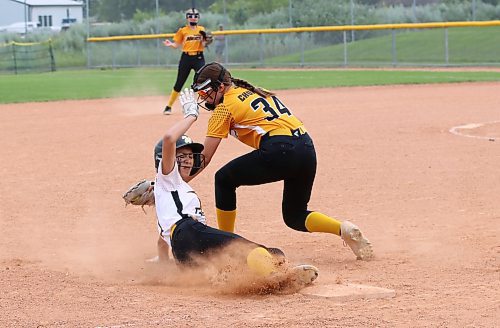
207, 37
141, 194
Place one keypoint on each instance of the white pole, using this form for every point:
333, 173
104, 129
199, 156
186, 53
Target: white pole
413, 8
473, 10
25, 19
225, 14
88, 18
226, 41
157, 32
157, 16
352, 20
88, 31
290, 12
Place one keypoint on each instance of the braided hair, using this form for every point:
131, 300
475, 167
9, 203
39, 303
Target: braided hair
247, 85
214, 72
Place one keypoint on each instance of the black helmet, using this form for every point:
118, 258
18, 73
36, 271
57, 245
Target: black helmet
208, 79
183, 141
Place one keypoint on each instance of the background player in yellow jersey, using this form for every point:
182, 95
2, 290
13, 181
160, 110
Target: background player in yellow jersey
193, 39
283, 151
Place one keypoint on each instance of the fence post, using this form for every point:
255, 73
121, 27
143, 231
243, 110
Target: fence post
138, 50
302, 56
394, 55
89, 54
261, 46
52, 59
158, 52
226, 50
344, 33
446, 54
113, 59
14, 57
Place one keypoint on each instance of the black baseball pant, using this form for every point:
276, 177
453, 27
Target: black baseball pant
186, 64
192, 238
288, 158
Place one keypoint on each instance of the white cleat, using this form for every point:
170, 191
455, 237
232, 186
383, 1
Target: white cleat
354, 238
304, 274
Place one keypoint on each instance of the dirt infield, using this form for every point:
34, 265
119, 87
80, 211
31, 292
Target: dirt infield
72, 255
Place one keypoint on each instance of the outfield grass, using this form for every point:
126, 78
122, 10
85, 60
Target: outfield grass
92, 84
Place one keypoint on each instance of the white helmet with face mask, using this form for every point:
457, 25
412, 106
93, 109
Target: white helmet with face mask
193, 15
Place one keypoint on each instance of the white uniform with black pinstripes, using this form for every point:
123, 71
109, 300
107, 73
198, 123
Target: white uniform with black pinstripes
167, 189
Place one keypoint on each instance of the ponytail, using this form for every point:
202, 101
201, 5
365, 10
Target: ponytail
244, 84
218, 74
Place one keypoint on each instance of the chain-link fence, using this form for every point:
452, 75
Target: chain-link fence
348, 47
393, 45
345, 47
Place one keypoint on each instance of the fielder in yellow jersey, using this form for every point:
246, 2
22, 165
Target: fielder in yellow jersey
268, 114
284, 151
192, 38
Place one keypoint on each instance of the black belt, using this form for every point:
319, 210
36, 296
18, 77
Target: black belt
193, 53
295, 133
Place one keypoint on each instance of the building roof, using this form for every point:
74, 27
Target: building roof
50, 2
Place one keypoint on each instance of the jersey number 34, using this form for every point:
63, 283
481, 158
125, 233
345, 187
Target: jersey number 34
274, 111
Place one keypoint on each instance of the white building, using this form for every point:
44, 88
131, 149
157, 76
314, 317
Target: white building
46, 13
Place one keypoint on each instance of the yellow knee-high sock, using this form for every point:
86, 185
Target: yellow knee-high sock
261, 262
173, 98
318, 222
226, 219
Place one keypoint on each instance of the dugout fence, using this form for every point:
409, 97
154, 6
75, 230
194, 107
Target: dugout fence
17, 57
395, 45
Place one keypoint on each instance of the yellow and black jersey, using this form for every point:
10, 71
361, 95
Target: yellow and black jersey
190, 38
248, 116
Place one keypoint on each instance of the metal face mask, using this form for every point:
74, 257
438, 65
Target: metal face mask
208, 88
205, 91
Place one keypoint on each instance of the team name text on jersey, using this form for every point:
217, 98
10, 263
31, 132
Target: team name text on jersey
245, 95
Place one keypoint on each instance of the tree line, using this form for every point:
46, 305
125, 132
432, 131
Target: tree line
120, 10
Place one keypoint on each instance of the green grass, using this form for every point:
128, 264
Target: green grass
91, 84
84, 84
465, 45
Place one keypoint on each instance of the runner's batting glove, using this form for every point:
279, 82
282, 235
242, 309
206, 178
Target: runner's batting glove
188, 102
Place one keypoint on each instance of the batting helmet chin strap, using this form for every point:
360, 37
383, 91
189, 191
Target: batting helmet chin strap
208, 106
